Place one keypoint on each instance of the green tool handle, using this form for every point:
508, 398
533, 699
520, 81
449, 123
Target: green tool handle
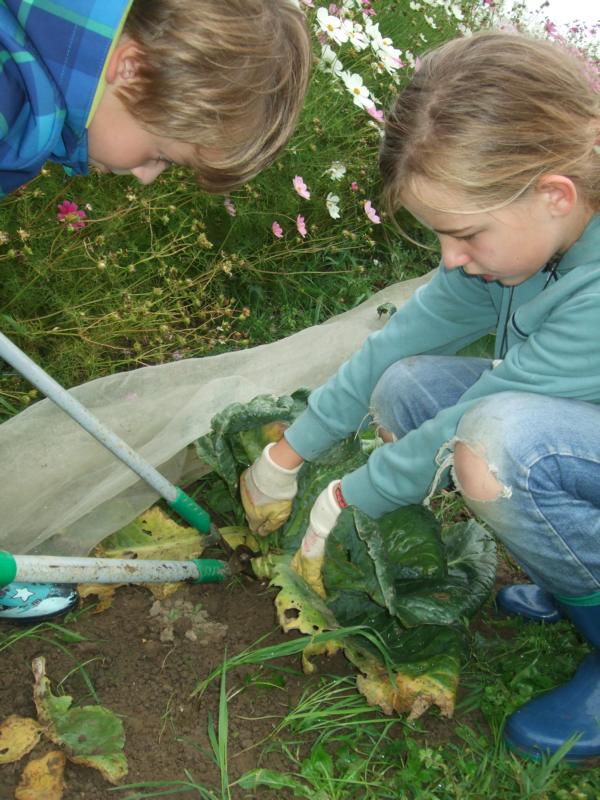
8, 568
190, 511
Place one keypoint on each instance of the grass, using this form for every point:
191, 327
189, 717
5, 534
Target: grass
339, 748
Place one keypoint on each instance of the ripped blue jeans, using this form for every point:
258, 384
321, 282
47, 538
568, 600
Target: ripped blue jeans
543, 451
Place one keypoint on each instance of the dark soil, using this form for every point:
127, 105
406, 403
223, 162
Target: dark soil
144, 660
144, 666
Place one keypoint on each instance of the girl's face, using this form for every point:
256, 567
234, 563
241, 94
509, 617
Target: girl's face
508, 245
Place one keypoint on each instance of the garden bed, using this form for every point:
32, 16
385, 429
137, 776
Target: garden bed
145, 666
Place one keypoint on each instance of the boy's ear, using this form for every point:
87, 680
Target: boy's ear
559, 192
123, 63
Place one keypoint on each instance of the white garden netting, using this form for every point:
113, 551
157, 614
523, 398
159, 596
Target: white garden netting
61, 492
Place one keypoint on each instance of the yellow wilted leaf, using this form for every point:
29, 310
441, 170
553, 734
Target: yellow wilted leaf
153, 535
238, 536
105, 592
311, 650
43, 778
405, 694
18, 736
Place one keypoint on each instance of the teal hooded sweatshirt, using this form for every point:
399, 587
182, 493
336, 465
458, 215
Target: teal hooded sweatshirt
547, 335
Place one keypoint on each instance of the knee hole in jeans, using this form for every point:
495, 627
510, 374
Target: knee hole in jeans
473, 475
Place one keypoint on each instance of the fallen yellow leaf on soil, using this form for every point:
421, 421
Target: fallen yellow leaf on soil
105, 592
43, 778
18, 736
91, 735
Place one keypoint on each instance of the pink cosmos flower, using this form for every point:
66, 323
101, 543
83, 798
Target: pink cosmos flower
354, 186
371, 212
550, 28
309, 3
277, 230
301, 225
367, 9
229, 207
301, 187
375, 112
71, 215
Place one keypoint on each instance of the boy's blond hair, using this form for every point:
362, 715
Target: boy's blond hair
486, 116
228, 76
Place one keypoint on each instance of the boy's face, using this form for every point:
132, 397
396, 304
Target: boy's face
508, 245
118, 143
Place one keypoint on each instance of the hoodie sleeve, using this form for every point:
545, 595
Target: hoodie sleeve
442, 317
31, 109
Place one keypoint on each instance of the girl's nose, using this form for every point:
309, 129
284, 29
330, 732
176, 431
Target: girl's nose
454, 252
150, 171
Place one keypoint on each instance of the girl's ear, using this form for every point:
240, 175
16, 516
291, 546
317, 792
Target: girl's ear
123, 62
559, 193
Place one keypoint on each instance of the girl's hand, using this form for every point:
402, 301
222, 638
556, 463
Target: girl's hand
267, 490
308, 560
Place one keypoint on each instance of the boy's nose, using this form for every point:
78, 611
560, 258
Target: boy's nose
149, 172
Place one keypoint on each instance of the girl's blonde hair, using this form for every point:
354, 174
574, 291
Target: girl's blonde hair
226, 75
486, 116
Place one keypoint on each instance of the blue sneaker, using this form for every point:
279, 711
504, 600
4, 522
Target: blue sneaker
36, 602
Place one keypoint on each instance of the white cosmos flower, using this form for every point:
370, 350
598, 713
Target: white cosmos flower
332, 26
390, 58
330, 61
336, 171
360, 93
358, 38
332, 203
372, 31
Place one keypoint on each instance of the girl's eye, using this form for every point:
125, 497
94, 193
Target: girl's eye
467, 238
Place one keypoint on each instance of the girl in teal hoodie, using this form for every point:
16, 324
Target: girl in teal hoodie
493, 146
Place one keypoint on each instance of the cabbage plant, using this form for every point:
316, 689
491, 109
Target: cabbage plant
410, 583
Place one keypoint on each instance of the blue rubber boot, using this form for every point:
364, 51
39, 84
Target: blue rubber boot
542, 725
35, 602
528, 601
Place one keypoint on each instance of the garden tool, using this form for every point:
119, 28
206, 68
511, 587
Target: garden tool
177, 499
73, 570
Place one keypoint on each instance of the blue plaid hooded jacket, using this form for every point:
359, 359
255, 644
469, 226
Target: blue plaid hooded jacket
52, 56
